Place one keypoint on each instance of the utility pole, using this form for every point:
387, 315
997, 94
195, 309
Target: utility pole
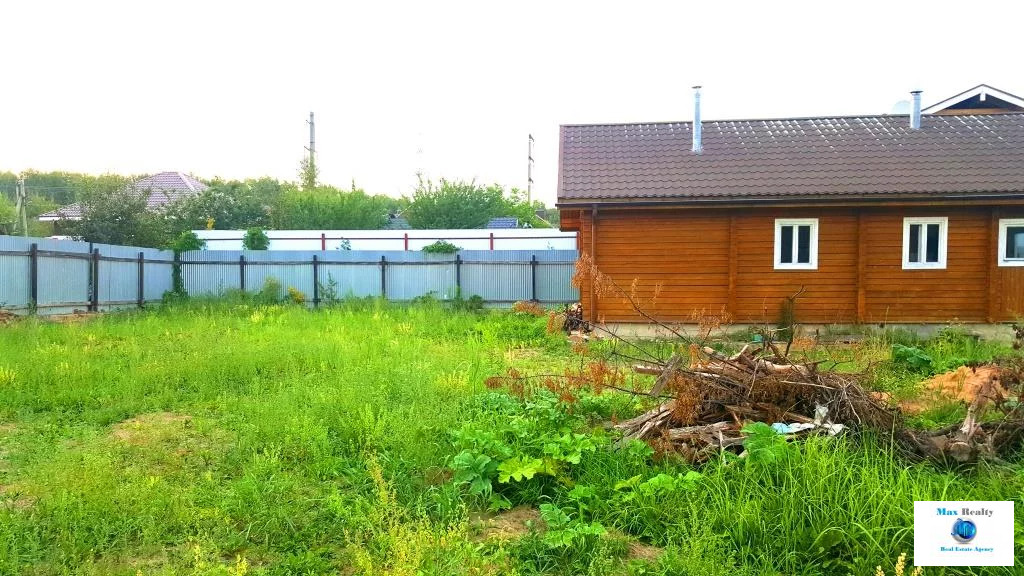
20, 207
529, 172
312, 145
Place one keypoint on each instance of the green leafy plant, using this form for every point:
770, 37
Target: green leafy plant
475, 471
912, 358
519, 468
255, 239
441, 247
566, 532
764, 445
660, 485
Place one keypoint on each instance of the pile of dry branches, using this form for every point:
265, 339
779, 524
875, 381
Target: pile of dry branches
714, 395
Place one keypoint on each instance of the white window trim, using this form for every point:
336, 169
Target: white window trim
943, 223
779, 223
1004, 226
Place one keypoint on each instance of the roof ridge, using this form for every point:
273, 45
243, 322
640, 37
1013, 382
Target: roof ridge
185, 181
795, 119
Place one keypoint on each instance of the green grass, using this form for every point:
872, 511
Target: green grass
231, 438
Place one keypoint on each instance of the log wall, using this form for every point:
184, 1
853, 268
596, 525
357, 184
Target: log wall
685, 261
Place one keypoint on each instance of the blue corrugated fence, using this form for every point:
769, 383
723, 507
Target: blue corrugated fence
497, 276
61, 276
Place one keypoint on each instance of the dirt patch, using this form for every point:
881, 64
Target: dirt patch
965, 384
436, 476
74, 317
522, 354
152, 428
7, 317
14, 497
644, 552
508, 525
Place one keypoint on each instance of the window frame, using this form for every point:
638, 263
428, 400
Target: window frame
1004, 228
943, 223
813, 252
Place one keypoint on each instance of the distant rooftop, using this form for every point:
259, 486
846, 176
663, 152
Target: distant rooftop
160, 189
503, 222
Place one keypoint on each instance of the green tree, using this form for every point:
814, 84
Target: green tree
226, 205
255, 239
461, 204
8, 185
113, 213
327, 208
309, 173
7, 215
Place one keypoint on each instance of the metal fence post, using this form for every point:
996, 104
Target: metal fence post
458, 274
316, 281
95, 304
241, 272
383, 277
142, 279
533, 277
33, 276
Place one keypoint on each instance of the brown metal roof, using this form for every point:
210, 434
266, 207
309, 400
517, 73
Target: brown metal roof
840, 158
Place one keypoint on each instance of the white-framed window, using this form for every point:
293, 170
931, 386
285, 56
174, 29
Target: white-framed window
796, 244
1011, 242
924, 243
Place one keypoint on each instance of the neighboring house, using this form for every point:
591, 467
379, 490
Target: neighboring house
160, 189
869, 218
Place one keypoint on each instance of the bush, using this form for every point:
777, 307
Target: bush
441, 247
187, 241
255, 239
474, 303
296, 295
271, 291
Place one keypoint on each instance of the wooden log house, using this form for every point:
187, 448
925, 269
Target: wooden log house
905, 218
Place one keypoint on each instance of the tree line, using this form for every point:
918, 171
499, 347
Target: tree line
113, 213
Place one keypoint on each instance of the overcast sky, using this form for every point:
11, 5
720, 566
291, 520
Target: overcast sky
452, 89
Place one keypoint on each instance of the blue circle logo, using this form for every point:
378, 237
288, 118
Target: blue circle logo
964, 530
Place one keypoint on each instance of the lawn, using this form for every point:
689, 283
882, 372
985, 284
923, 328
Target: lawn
233, 438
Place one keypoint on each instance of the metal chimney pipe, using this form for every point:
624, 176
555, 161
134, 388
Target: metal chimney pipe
698, 145
915, 110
